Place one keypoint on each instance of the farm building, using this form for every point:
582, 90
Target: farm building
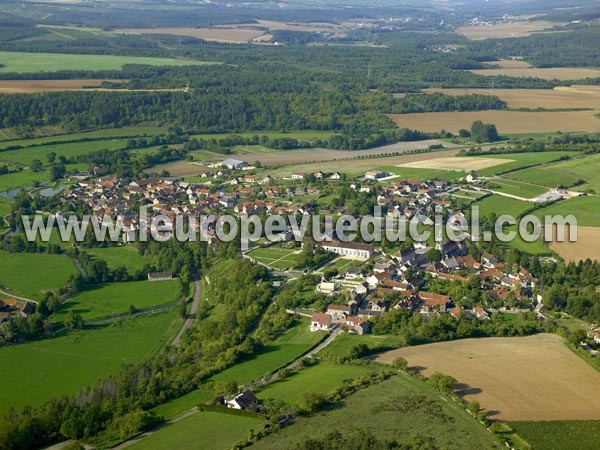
160, 276
234, 164
246, 401
320, 322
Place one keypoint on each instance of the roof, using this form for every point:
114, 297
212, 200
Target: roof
246, 399
321, 319
338, 308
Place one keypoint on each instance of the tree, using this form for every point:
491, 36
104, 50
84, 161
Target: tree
36, 165
484, 132
400, 363
73, 321
57, 172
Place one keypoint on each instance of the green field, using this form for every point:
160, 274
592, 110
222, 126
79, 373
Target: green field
303, 134
127, 256
585, 209
321, 378
4, 211
401, 408
518, 188
560, 435
549, 176
51, 62
22, 179
179, 405
30, 274
114, 298
202, 431
277, 258
65, 364
585, 168
285, 349
421, 174
522, 160
343, 342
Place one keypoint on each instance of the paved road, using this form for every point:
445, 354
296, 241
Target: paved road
192, 315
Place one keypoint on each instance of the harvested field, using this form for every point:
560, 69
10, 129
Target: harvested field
505, 121
522, 378
34, 86
462, 164
551, 73
504, 30
511, 64
560, 97
229, 35
587, 245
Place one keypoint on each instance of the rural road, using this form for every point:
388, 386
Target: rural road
9, 295
192, 315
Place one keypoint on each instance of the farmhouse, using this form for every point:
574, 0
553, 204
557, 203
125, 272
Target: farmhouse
320, 322
246, 401
160, 276
297, 176
374, 175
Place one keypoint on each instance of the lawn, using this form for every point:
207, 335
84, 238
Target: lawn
285, 349
202, 431
343, 342
22, 179
585, 209
402, 409
322, 378
51, 62
127, 256
30, 274
560, 435
278, 258
518, 188
522, 160
109, 299
66, 364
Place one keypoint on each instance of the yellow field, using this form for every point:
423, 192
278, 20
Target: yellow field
560, 97
461, 164
504, 30
506, 121
587, 245
553, 73
33, 86
511, 64
229, 35
522, 378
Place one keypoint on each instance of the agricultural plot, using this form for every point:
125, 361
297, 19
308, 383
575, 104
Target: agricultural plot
516, 188
525, 378
559, 435
126, 256
585, 209
585, 247
505, 29
342, 344
285, 349
73, 361
552, 73
51, 62
179, 405
505, 121
228, 35
401, 409
277, 258
22, 179
586, 168
515, 161
202, 431
413, 171
30, 274
37, 86
549, 176
455, 164
115, 298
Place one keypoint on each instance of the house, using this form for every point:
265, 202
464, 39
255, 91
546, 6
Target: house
326, 287
246, 401
471, 178
597, 337
374, 175
160, 276
335, 176
339, 312
457, 312
353, 272
297, 176
320, 322
350, 250
357, 324
234, 164
434, 302
480, 313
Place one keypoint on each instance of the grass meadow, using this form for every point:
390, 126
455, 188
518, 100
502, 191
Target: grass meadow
559, 435
30, 274
518, 188
22, 179
65, 364
127, 256
585, 209
521, 160
277, 258
109, 299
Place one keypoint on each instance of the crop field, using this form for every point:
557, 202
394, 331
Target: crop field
403, 172
522, 160
321, 379
504, 29
50, 62
524, 378
114, 298
30, 274
586, 168
501, 205
292, 344
585, 209
549, 176
21, 179
517, 188
559, 434
36, 86
551, 73
228, 35
201, 431
127, 256
70, 362
460, 164
278, 258
505, 121
585, 247
557, 98
401, 409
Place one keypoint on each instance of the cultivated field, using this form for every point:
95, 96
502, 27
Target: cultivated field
505, 121
586, 168
587, 245
586, 209
560, 435
526, 191
550, 73
229, 35
525, 378
34, 86
76, 360
560, 97
52, 62
504, 30
462, 164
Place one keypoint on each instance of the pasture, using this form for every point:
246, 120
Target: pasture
523, 378
179, 405
586, 168
505, 121
114, 298
516, 188
30, 274
504, 29
559, 434
515, 161
550, 73
401, 409
127, 256
277, 258
548, 176
23, 179
75, 360
557, 98
585, 209
292, 344
17, 62
201, 431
